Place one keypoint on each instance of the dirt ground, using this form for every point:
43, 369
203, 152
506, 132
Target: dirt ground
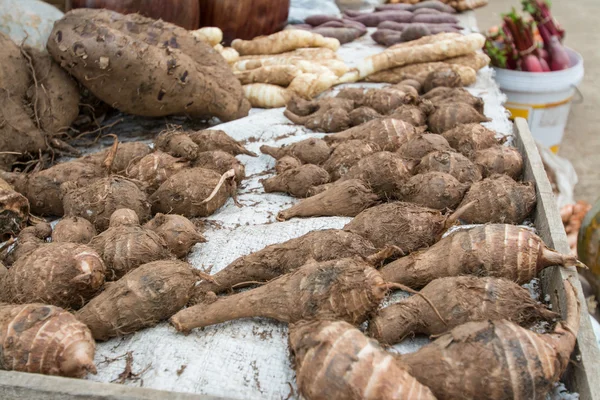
581, 144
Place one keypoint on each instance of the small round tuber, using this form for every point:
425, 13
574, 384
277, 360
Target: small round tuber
73, 230
178, 232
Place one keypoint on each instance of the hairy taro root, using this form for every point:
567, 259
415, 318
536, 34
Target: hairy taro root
325, 115
387, 133
155, 168
220, 161
297, 181
449, 116
73, 230
214, 139
346, 155
28, 240
178, 232
177, 143
452, 163
308, 151
286, 163
363, 114
419, 146
441, 77
436, 190
14, 212
470, 138
445, 95
499, 160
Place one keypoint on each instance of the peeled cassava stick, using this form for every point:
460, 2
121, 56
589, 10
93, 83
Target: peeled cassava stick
281, 75
470, 138
178, 232
458, 300
229, 54
346, 155
211, 35
436, 190
297, 181
61, 274
309, 151
265, 95
499, 199
521, 364
347, 199
309, 85
214, 139
142, 298
73, 230
452, 163
155, 168
282, 258
387, 133
497, 250
42, 339
499, 160
283, 41
336, 361
347, 289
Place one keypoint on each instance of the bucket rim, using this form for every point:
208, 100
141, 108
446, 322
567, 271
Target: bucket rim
577, 65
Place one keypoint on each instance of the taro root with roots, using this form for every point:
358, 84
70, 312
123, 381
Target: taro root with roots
451, 163
178, 232
308, 151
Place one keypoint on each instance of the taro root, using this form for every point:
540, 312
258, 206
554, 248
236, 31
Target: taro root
469, 138
28, 240
452, 163
419, 146
346, 155
126, 155
155, 168
14, 212
325, 115
449, 116
360, 115
442, 77
446, 95
308, 151
285, 163
436, 190
499, 160
297, 181
213, 139
178, 232
177, 144
220, 161
415, 115
73, 230
387, 133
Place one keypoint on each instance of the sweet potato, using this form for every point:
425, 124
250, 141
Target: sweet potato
194, 192
73, 230
14, 211
451, 163
346, 155
336, 361
185, 77
124, 247
458, 300
319, 19
451, 115
375, 18
363, 114
285, 163
449, 95
347, 289
308, 151
470, 138
214, 139
407, 226
496, 250
393, 6
435, 18
344, 34
42, 339
281, 75
499, 160
142, 298
347, 198
433, 4
178, 232
297, 181
282, 42
419, 146
155, 168
221, 162
97, 201
387, 133
441, 77
525, 364
282, 258
436, 190
331, 115
61, 274
400, 26
29, 239
499, 199
177, 143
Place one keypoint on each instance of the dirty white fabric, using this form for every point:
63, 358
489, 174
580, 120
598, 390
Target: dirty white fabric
28, 19
302, 9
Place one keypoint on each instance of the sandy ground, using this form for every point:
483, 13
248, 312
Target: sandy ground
581, 144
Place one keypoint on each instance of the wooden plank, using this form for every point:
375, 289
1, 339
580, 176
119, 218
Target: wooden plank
583, 375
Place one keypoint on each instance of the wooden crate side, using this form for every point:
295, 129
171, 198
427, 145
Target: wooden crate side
583, 374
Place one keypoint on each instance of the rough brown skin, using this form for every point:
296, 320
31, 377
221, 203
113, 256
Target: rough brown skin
363, 114
416, 115
220, 161
14, 211
124, 216
97, 201
178, 232
336, 361
496, 250
347, 289
281, 75
449, 116
43, 339
282, 258
180, 79
419, 146
499, 160
446, 95
404, 225
357, 95
519, 364
188, 193
286, 163
297, 181
499, 199
387, 133
441, 78
177, 143
346, 155
451, 163
61, 274
213, 139
127, 154
458, 300
325, 115
436, 190
347, 199
155, 168
142, 298
73, 230
470, 138
386, 100
308, 151
29, 239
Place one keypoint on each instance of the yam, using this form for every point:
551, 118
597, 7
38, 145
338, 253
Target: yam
451, 115
221, 162
297, 181
346, 155
452, 163
419, 146
309, 151
470, 138
155, 168
499, 160
214, 139
178, 232
73, 230
387, 133
436, 190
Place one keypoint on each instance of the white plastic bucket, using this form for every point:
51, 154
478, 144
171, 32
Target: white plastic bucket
543, 98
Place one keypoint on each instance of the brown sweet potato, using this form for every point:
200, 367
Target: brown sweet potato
434, 18
347, 289
451, 163
347, 199
458, 300
499, 160
97, 201
319, 19
297, 181
62, 274
419, 146
286, 163
73, 230
213, 139
194, 192
29, 239
524, 364
451, 115
14, 211
496, 250
363, 114
142, 298
436, 190
309, 151
375, 18
155, 168
42, 339
346, 155
336, 361
470, 138
178, 232
387, 133
433, 4
344, 34
442, 77
499, 199
220, 161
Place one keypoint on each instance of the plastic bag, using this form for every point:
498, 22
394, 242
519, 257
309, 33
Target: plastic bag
31, 19
301, 9
562, 175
